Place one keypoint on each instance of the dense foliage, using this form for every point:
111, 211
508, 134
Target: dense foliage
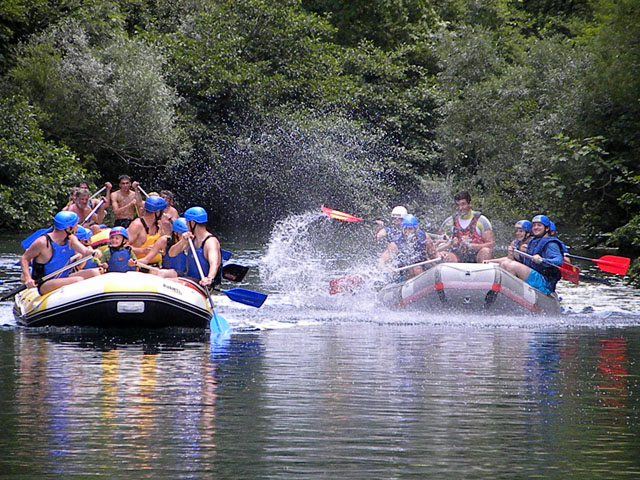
259, 108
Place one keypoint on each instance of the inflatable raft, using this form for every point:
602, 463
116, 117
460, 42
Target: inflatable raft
120, 300
468, 287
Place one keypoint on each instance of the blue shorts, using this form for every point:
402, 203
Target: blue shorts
537, 281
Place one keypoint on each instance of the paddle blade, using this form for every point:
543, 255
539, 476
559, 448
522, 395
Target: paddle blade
613, 264
226, 255
348, 283
570, 273
218, 324
345, 217
247, 297
233, 272
26, 243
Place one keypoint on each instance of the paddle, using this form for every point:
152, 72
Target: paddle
426, 262
94, 210
234, 272
345, 217
347, 283
46, 277
142, 190
609, 263
98, 192
26, 243
226, 255
569, 272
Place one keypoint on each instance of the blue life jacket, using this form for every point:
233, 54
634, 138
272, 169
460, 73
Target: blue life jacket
537, 246
119, 261
60, 258
414, 252
192, 267
392, 233
178, 263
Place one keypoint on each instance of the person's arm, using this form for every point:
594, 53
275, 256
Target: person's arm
83, 249
552, 254
161, 244
181, 245
430, 247
389, 253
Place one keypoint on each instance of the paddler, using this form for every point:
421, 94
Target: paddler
541, 271
118, 257
412, 246
207, 248
144, 231
52, 251
469, 232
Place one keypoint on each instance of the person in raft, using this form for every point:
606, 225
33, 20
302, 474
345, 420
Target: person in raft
144, 231
52, 251
522, 233
175, 248
119, 256
541, 271
207, 248
468, 235
391, 232
412, 246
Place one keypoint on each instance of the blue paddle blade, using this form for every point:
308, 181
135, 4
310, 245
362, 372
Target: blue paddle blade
247, 297
218, 324
226, 255
26, 243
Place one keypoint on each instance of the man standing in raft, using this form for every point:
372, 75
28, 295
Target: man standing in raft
207, 248
469, 233
53, 251
124, 202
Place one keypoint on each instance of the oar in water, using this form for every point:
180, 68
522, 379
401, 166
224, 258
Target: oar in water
568, 271
609, 263
46, 277
433, 261
234, 272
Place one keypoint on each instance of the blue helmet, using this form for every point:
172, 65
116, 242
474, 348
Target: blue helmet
64, 220
524, 225
83, 234
180, 225
409, 221
552, 227
197, 214
543, 219
155, 204
119, 231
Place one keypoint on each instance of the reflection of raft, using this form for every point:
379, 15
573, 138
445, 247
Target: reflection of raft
120, 300
468, 287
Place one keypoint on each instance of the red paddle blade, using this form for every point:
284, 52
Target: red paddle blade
348, 283
613, 264
571, 273
345, 217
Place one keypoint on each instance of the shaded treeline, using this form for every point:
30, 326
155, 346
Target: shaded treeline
259, 108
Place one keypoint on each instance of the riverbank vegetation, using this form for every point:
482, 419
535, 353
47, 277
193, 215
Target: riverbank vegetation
258, 108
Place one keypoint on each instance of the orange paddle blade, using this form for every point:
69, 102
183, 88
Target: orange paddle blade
345, 217
613, 264
348, 283
570, 273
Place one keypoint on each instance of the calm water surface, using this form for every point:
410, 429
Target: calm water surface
315, 386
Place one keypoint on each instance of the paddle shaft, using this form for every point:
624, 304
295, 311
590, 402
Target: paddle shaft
95, 209
47, 277
419, 264
97, 193
609, 263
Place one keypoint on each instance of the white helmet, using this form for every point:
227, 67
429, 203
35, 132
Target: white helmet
398, 212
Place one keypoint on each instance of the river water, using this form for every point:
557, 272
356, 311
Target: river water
319, 386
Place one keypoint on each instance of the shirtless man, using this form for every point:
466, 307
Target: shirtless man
82, 207
125, 201
170, 213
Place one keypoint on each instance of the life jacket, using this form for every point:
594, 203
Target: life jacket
192, 267
60, 258
537, 246
392, 233
178, 263
119, 261
469, 232
151, 239
413, 250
